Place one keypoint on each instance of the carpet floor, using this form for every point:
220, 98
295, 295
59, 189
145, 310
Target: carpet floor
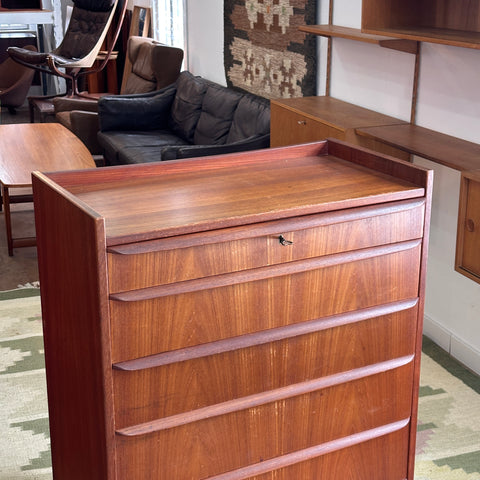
22, 267
448, 441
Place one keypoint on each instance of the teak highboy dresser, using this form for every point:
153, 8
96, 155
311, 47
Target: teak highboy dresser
249, 316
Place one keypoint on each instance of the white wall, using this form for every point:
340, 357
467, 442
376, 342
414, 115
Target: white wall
382, 79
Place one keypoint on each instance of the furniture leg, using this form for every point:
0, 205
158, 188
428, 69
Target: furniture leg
8, 220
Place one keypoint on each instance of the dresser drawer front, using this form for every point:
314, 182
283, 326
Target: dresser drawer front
226, 442
377, 459
150, 392
193, 313
195, 256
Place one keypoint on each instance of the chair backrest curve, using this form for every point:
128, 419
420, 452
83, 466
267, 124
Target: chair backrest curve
77, 49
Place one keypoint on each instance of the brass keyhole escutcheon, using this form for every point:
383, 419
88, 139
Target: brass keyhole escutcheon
284, 241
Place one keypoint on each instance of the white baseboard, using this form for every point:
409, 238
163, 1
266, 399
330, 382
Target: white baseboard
456, 347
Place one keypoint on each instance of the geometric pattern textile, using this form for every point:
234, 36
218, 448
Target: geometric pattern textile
24, 432
448, 432
264, 51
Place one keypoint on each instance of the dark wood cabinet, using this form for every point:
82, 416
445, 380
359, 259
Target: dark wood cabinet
248, 316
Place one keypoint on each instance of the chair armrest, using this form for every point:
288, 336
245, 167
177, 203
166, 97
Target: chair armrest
85, 126
149, 111
65, 104
190, 151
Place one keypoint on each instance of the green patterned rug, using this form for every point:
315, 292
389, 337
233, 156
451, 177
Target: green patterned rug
448, 446
24, 438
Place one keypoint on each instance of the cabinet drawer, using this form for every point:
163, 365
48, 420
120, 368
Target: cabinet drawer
170, 317
254, 429
145, 390
290, 128
188, 257
380, 458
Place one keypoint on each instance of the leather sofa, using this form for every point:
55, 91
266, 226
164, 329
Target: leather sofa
191, 118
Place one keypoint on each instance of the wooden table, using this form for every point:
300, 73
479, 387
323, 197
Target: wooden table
25, 148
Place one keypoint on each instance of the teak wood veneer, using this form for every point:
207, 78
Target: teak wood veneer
448, 22
247, 316
308, 119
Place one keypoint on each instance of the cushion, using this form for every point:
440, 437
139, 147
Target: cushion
187, 105
252, 117
114, 143
142, 78
135, 112
219, 104
84, 30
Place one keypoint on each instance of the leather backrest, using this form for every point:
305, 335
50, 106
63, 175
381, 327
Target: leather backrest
84, 30
141, 79
187, 105
218, 107
166, 64
95, 5
153, 65
206, 113
251, 118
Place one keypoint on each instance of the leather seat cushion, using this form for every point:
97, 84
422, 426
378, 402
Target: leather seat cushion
142, 155
116, 142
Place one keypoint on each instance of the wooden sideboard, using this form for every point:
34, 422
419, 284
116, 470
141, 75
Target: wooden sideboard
248, 316
308, 119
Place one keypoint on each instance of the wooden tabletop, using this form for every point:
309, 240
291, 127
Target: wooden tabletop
46, 147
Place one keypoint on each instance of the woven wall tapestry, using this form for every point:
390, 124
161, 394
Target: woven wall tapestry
264, 52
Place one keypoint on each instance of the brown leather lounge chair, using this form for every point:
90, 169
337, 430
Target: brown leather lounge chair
80, 46
15, 81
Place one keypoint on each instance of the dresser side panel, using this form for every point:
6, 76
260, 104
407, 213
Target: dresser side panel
72, 268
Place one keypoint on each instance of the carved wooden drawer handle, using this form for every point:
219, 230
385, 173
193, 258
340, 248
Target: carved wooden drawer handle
470, 225
284, 241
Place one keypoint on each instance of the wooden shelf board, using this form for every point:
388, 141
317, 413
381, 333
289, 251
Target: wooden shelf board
408, 46
444, 149
444, 36
336, 113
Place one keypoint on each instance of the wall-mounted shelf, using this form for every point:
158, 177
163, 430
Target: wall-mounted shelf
444, 149
408, 46
402, 25
456, 38
448, 22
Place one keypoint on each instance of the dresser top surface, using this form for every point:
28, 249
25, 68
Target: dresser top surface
172, 198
